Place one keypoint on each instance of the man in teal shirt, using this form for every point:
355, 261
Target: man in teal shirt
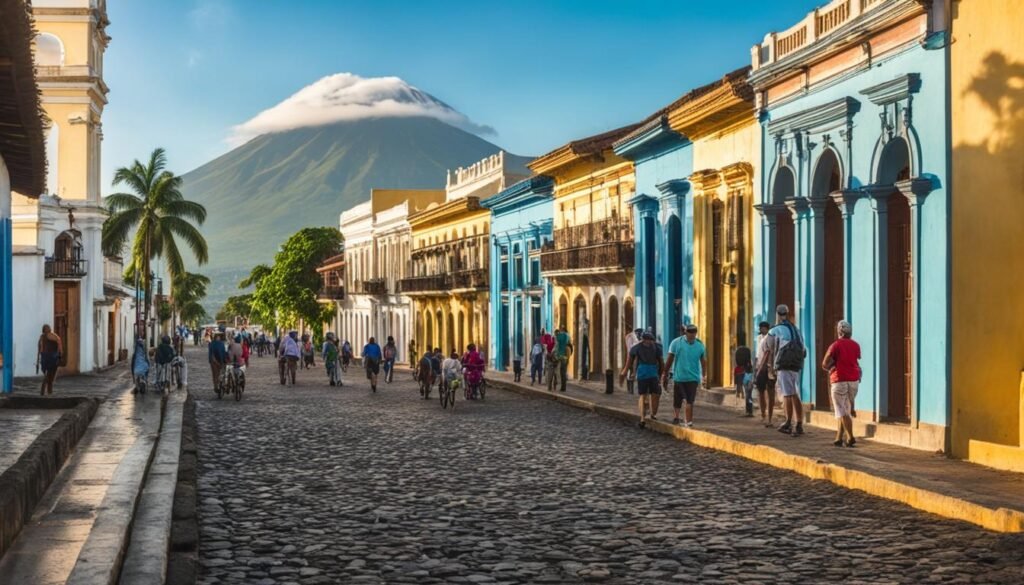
563, 349
686, 362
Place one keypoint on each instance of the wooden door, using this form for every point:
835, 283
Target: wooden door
66, 323
900, 303
596, 338
785, 273
717, 335
833, 293
111, 332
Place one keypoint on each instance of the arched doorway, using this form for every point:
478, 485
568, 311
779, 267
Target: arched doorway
895, 166
563, 313
827, 180
451, 339
628, 318
597, 335
615, 362
439, 328
674, 235
581, 337
785, 274
649, 284
462, 330
427, 340
718, 336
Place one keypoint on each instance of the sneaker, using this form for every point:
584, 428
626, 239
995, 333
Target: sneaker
643, 423
654, 417
675, 421
838, 442
786, 427
851, 442
799, 430
689, 424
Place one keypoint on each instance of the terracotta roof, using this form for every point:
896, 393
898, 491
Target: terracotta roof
21, 118
595, 144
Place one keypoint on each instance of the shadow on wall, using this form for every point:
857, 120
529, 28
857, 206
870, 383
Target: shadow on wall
987, 348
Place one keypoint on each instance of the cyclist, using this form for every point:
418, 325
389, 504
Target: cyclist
217, 353
289, 354
425, 373
473, 363
436, 359
346, 355
451, 371
330, 356
238, 353
371, 361
390, 353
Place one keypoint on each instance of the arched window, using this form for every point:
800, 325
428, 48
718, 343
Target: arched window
49, 50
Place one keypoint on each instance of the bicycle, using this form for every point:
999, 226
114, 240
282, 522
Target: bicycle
238, 380
446, 392
425, 383
334, 373
163, 378
291, 365
177, 367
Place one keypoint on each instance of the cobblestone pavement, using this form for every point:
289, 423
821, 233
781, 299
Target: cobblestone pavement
317, 485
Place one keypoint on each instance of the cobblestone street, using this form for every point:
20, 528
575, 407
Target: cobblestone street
315, 485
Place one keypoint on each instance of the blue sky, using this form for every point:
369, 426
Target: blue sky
182, 73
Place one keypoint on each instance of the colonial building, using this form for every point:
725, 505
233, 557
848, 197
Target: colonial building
591, 256
854, 212
22, 156
363, 283
695, 163
521, 224
58, 261
449, 277
983, 342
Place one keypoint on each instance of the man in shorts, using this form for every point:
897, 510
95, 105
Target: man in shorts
372, 356
631, 340
764, 376
786, 334
645, 363
686, 361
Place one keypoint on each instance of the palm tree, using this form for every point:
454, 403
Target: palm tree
158, 213
187, 289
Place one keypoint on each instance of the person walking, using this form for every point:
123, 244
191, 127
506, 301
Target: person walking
372, 356
412, 353
330, 353
632, 339
289, 354
742, 374
687, 362
537, 362
788, 354
552, 371
50, 348
842, 362
217, 354
517, 365
645, 363
764, 377
390, 355
563, 351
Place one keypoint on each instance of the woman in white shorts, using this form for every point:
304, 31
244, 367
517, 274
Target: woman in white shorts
842, 362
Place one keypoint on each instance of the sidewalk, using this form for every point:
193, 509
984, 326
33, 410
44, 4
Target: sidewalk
79, 530
934, 483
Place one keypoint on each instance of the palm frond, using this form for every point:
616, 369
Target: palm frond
121, 201
187, 232
170, 252
188, 210
116, 229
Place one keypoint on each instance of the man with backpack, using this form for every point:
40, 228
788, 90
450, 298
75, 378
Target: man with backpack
787, 352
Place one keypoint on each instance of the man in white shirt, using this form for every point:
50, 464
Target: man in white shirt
787, 371
632, 339
764, 375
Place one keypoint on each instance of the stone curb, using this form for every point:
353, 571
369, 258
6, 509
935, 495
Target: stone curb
23, 485
145, 561
998, 520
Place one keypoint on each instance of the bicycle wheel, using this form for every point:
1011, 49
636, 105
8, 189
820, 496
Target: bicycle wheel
238, 390
442, 395
219, 388
483, 388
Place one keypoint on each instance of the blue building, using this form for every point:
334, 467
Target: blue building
855, 209
662, 224
520, 298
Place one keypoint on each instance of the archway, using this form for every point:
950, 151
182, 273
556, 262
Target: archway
439, 336
783, 188
563, 313
628, 318
717, 335
827, 180
581, 337
462, 330
899, 296
597, 335
614, 335
674, 235
649, 284
451, 340
427, 340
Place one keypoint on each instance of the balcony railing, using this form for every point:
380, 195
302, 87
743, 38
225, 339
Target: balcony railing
599, 257
815, 26
375, 286
419, 284
332, 292
44, 71
592, 234
476, 278
113, 271
65, 268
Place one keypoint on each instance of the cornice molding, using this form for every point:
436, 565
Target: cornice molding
675, 187
720, 108
816, 119
536, 188
654, 137
893, 90
445, 212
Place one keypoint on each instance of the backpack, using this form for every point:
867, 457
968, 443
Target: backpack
791, 356
389, 352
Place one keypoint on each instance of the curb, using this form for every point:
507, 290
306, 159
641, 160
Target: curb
23, 484
998, 520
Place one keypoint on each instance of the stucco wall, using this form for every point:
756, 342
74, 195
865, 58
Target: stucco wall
987, 116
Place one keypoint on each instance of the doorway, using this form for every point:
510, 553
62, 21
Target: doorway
900, 303
717, 334
66, 323
614, 335
674, 232
596, 338
827, 180
111, 337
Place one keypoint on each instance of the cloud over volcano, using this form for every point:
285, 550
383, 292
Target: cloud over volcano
345, 96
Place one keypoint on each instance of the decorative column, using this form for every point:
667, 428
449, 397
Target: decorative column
847, 200
768, 261
915, 190
674, 201
645, 210
814, 312
802, 299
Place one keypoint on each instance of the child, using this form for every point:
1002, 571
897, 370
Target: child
537, 362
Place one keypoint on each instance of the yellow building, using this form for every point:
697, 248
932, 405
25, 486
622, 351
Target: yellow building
449, 275
61, 277
986, 347
719, 121
590, 260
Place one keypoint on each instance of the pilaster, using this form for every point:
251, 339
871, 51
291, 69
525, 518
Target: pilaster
879, 198
915, 190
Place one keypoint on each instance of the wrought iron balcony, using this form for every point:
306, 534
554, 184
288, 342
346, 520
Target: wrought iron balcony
596, 258
375, 286
65, 268
476, 278
332, 292
423, 284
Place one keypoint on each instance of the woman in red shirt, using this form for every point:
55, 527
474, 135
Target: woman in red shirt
842, 362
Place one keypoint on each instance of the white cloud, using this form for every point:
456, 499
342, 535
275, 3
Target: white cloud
345, 96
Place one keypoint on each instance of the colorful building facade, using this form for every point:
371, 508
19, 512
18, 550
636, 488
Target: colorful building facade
590, 258
22, 161
986, 348
854, 210
521, 224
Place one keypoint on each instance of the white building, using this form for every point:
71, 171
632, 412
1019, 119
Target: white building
59, 273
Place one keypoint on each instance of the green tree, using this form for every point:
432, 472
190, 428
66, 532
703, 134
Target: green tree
256, 275
159, 215
236, 306
193, 314
289, 290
